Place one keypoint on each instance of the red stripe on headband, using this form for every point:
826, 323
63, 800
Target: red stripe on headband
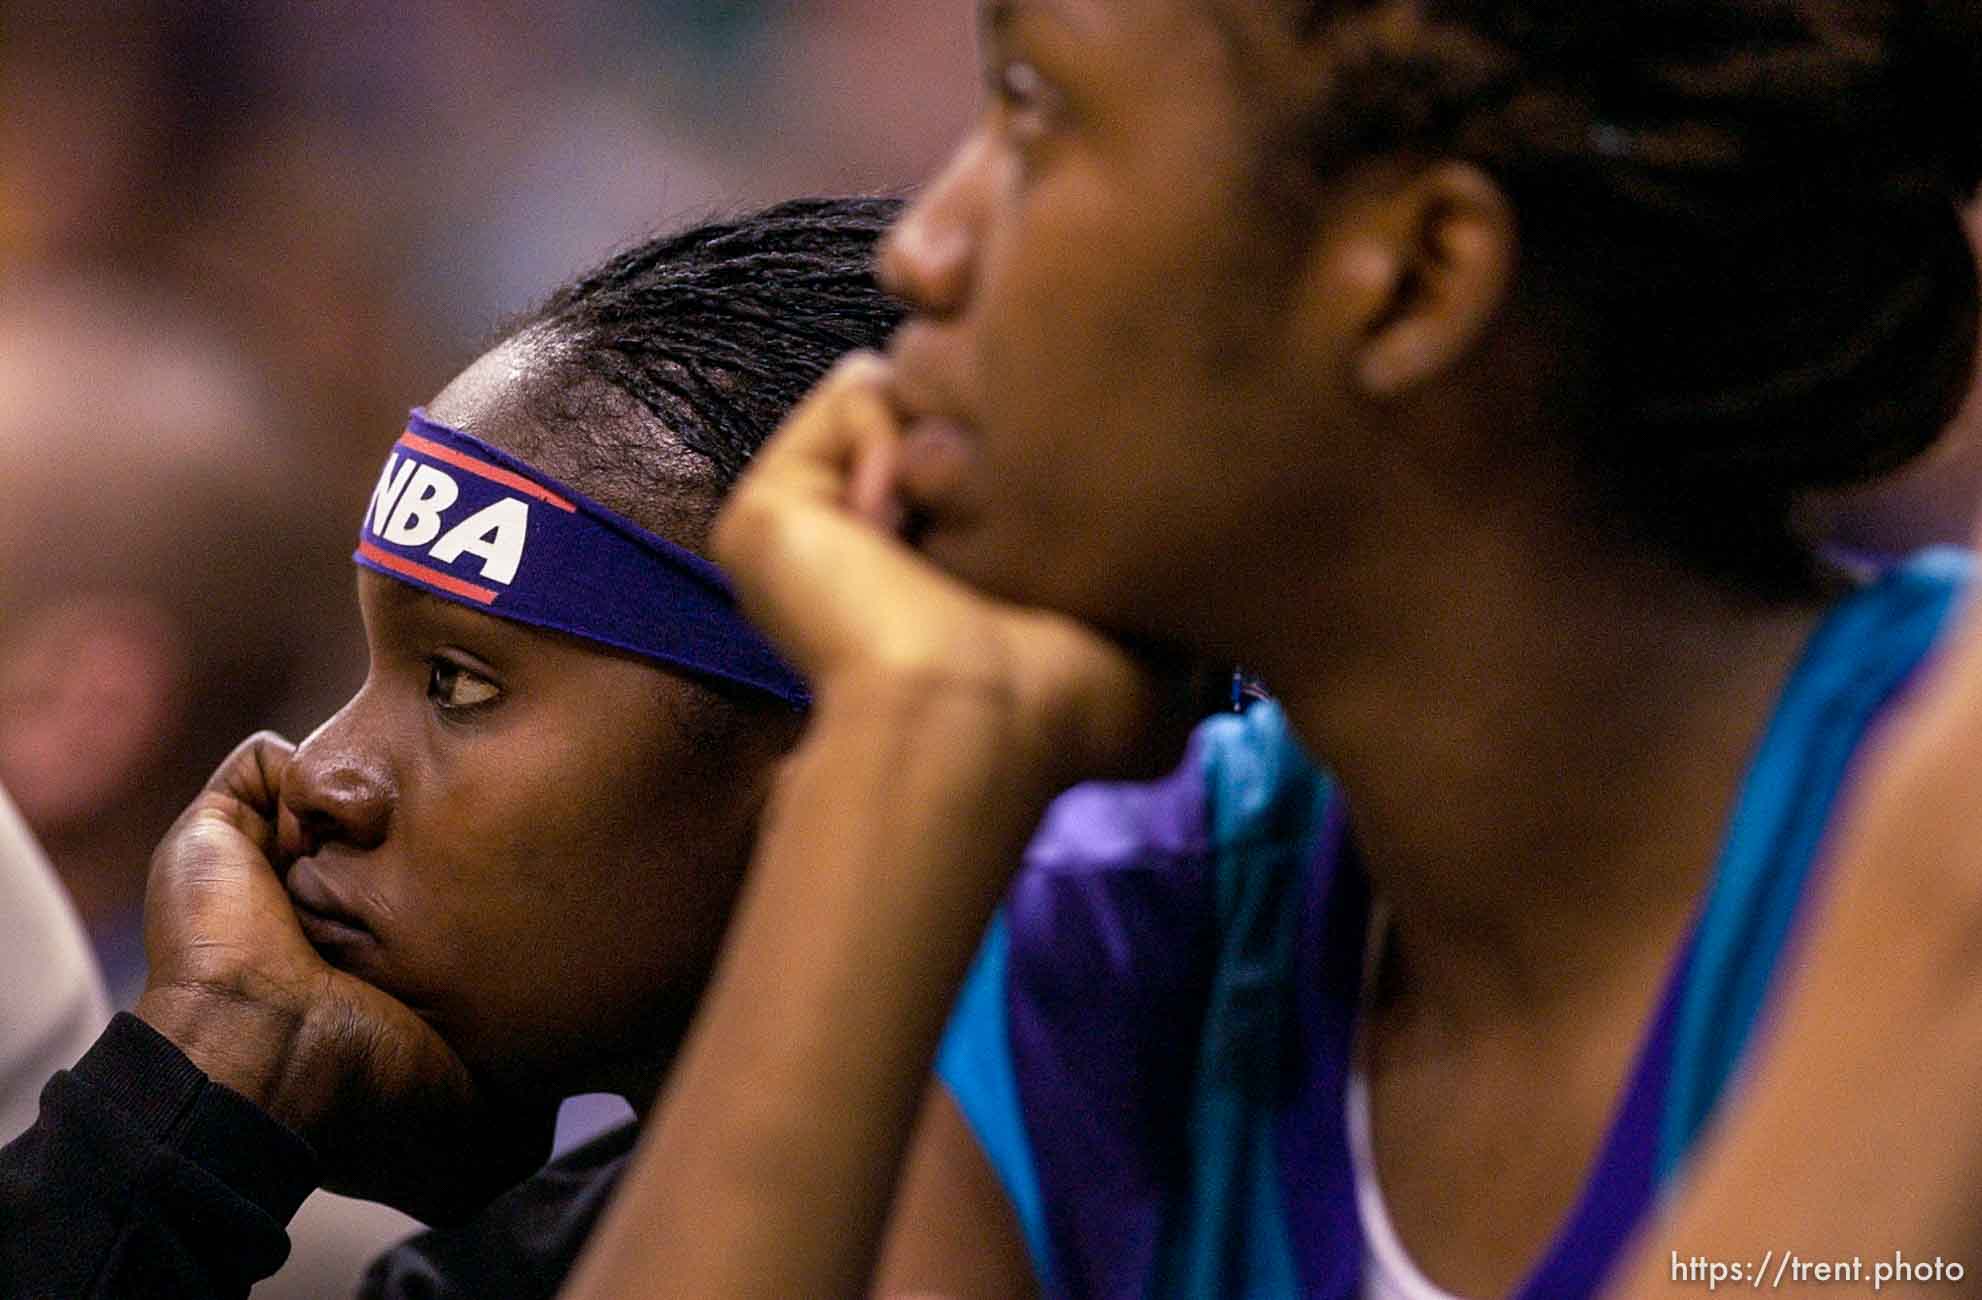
493, 473
434, 577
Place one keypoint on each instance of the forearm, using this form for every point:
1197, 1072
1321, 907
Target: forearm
771, 1166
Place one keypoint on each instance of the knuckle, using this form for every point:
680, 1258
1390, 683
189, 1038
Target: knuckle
249, 751
266, 740
859, 368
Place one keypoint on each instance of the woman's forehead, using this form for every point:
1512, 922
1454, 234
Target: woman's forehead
390, 604
491, 397
396, 610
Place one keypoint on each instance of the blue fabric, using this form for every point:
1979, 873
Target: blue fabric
471, 524
1858, 659
975, 1065
1121, 960
1267, 807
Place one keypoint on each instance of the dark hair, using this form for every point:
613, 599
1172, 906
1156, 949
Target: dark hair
671, 363
1748, 207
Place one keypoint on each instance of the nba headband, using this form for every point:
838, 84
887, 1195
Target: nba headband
466, 522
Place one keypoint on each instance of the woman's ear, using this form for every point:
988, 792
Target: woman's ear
1422, 263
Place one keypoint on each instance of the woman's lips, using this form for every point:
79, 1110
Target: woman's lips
330, 933
345, 939
325, 921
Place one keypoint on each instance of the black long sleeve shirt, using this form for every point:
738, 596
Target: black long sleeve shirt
144, 1179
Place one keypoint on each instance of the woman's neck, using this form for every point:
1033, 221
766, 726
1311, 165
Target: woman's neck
1539, 757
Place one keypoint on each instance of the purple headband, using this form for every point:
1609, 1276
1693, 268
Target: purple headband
466, 522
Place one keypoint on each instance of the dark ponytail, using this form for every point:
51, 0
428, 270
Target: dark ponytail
671, 362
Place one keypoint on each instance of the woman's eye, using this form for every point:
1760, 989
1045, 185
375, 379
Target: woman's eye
451, 686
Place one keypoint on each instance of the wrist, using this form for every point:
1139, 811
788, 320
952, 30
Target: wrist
248, 1047
975, 728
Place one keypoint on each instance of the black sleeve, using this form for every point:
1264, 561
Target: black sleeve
143, 1178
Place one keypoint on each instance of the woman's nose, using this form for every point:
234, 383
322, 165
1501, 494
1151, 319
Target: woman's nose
928, 258
337, 789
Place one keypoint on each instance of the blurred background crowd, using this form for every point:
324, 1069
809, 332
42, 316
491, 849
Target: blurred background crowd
238, 240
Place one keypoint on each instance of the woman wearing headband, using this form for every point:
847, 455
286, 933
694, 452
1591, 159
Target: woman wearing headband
1463, 368
501, 871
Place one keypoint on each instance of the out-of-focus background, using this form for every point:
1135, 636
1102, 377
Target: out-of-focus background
238, 239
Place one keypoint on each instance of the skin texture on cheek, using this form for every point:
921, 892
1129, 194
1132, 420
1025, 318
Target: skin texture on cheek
587, 873
1122, 472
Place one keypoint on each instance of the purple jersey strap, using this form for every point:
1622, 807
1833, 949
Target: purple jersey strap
1322, 1217
469, 523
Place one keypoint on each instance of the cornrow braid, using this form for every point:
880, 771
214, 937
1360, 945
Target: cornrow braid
713, 334
1751, 204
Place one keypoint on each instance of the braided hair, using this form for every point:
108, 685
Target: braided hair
671, 363
1748, 207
